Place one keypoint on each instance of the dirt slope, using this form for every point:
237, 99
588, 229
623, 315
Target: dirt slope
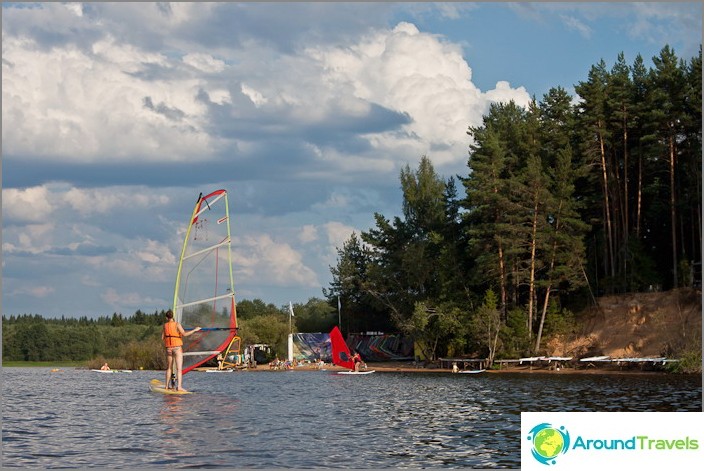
637, 325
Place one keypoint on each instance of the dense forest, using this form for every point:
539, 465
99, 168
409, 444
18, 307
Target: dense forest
568, 199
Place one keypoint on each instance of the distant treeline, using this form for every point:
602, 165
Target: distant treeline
135, 341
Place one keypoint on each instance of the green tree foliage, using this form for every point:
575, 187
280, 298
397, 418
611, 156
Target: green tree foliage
359, 309
315, 316
565, 199
270, 329
435, 328
250, 309
402, 267
485, 325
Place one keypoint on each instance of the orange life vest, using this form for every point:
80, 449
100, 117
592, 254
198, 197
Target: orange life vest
172, 337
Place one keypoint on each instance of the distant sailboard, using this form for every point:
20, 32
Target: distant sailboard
341, 354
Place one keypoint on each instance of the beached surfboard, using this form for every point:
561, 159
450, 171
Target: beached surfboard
355, 372
157, 386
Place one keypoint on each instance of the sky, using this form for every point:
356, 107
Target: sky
115, 116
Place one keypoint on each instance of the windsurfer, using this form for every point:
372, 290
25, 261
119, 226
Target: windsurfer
172, 335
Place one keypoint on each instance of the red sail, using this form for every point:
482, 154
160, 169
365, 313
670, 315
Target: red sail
340, 352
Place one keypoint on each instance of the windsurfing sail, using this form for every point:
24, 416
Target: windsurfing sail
340, 351
231, 357
204, 294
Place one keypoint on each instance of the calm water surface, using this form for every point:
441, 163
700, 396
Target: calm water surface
302, 419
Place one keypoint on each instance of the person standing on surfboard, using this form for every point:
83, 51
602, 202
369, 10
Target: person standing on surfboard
172, 335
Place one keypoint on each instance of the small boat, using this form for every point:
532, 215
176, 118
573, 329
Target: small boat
472, 371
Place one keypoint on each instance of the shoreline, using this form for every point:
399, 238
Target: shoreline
391, 367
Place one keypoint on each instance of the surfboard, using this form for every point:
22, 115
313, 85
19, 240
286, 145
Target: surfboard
157, 386
356, 372
112, 371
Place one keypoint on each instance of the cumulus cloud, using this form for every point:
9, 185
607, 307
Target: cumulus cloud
74, 105
503, 93
260, 259
419, 75
309, 233
382, 98
337, 234
128, 299
39, 203
35, 291
29, 204
31, 239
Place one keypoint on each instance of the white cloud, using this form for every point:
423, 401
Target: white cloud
337, 233
29, 204
31, 239
155, 253
417, 74
75, 8
309, 233
257, 98
261, 260
128, 300
103, 200
204, 62
35, 291
68, 105
577, 25
503, 93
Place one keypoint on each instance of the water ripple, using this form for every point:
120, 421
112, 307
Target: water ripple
301, 419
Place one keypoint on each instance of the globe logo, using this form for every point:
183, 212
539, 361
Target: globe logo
548, 442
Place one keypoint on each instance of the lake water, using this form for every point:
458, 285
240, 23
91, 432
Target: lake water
302, 419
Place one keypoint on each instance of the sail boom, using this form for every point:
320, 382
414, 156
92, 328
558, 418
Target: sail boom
206, 300
208, 249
